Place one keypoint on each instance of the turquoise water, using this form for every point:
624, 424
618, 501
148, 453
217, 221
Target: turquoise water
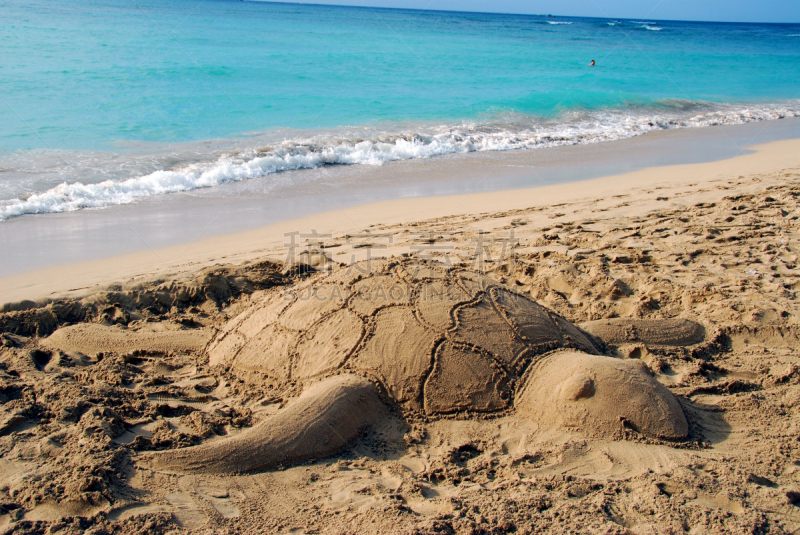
106, 102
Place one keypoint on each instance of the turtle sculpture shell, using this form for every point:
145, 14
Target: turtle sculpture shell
438, 341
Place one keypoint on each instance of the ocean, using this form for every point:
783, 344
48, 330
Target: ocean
108, 102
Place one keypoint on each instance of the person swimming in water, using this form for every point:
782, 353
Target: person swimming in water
592, 63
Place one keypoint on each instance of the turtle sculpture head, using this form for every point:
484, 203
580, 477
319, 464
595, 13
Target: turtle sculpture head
428, 339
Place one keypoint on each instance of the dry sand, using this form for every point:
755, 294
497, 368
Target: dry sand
127, 372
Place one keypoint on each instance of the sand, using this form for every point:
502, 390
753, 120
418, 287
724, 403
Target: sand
710, 247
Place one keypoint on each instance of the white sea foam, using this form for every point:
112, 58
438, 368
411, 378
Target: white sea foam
557, 22
652, 28
506, 133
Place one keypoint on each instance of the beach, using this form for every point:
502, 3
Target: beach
292, 268
713, 242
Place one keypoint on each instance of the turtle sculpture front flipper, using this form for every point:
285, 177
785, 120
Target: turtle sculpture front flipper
428, 341
324, 419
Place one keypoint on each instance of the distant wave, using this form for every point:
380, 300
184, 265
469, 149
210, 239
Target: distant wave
557, 22
503, 133
653, 28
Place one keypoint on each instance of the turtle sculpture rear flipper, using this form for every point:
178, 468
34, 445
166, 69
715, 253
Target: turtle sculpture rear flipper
324, 419
675, 332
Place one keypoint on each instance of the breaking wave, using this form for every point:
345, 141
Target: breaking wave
499, 134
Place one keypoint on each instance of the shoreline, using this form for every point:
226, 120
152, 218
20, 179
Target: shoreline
267, 242
162, 221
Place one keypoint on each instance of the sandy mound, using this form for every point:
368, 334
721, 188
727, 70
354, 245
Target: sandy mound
190, 298
600, 396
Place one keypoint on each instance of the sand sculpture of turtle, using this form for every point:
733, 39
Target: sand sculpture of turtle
431, 341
